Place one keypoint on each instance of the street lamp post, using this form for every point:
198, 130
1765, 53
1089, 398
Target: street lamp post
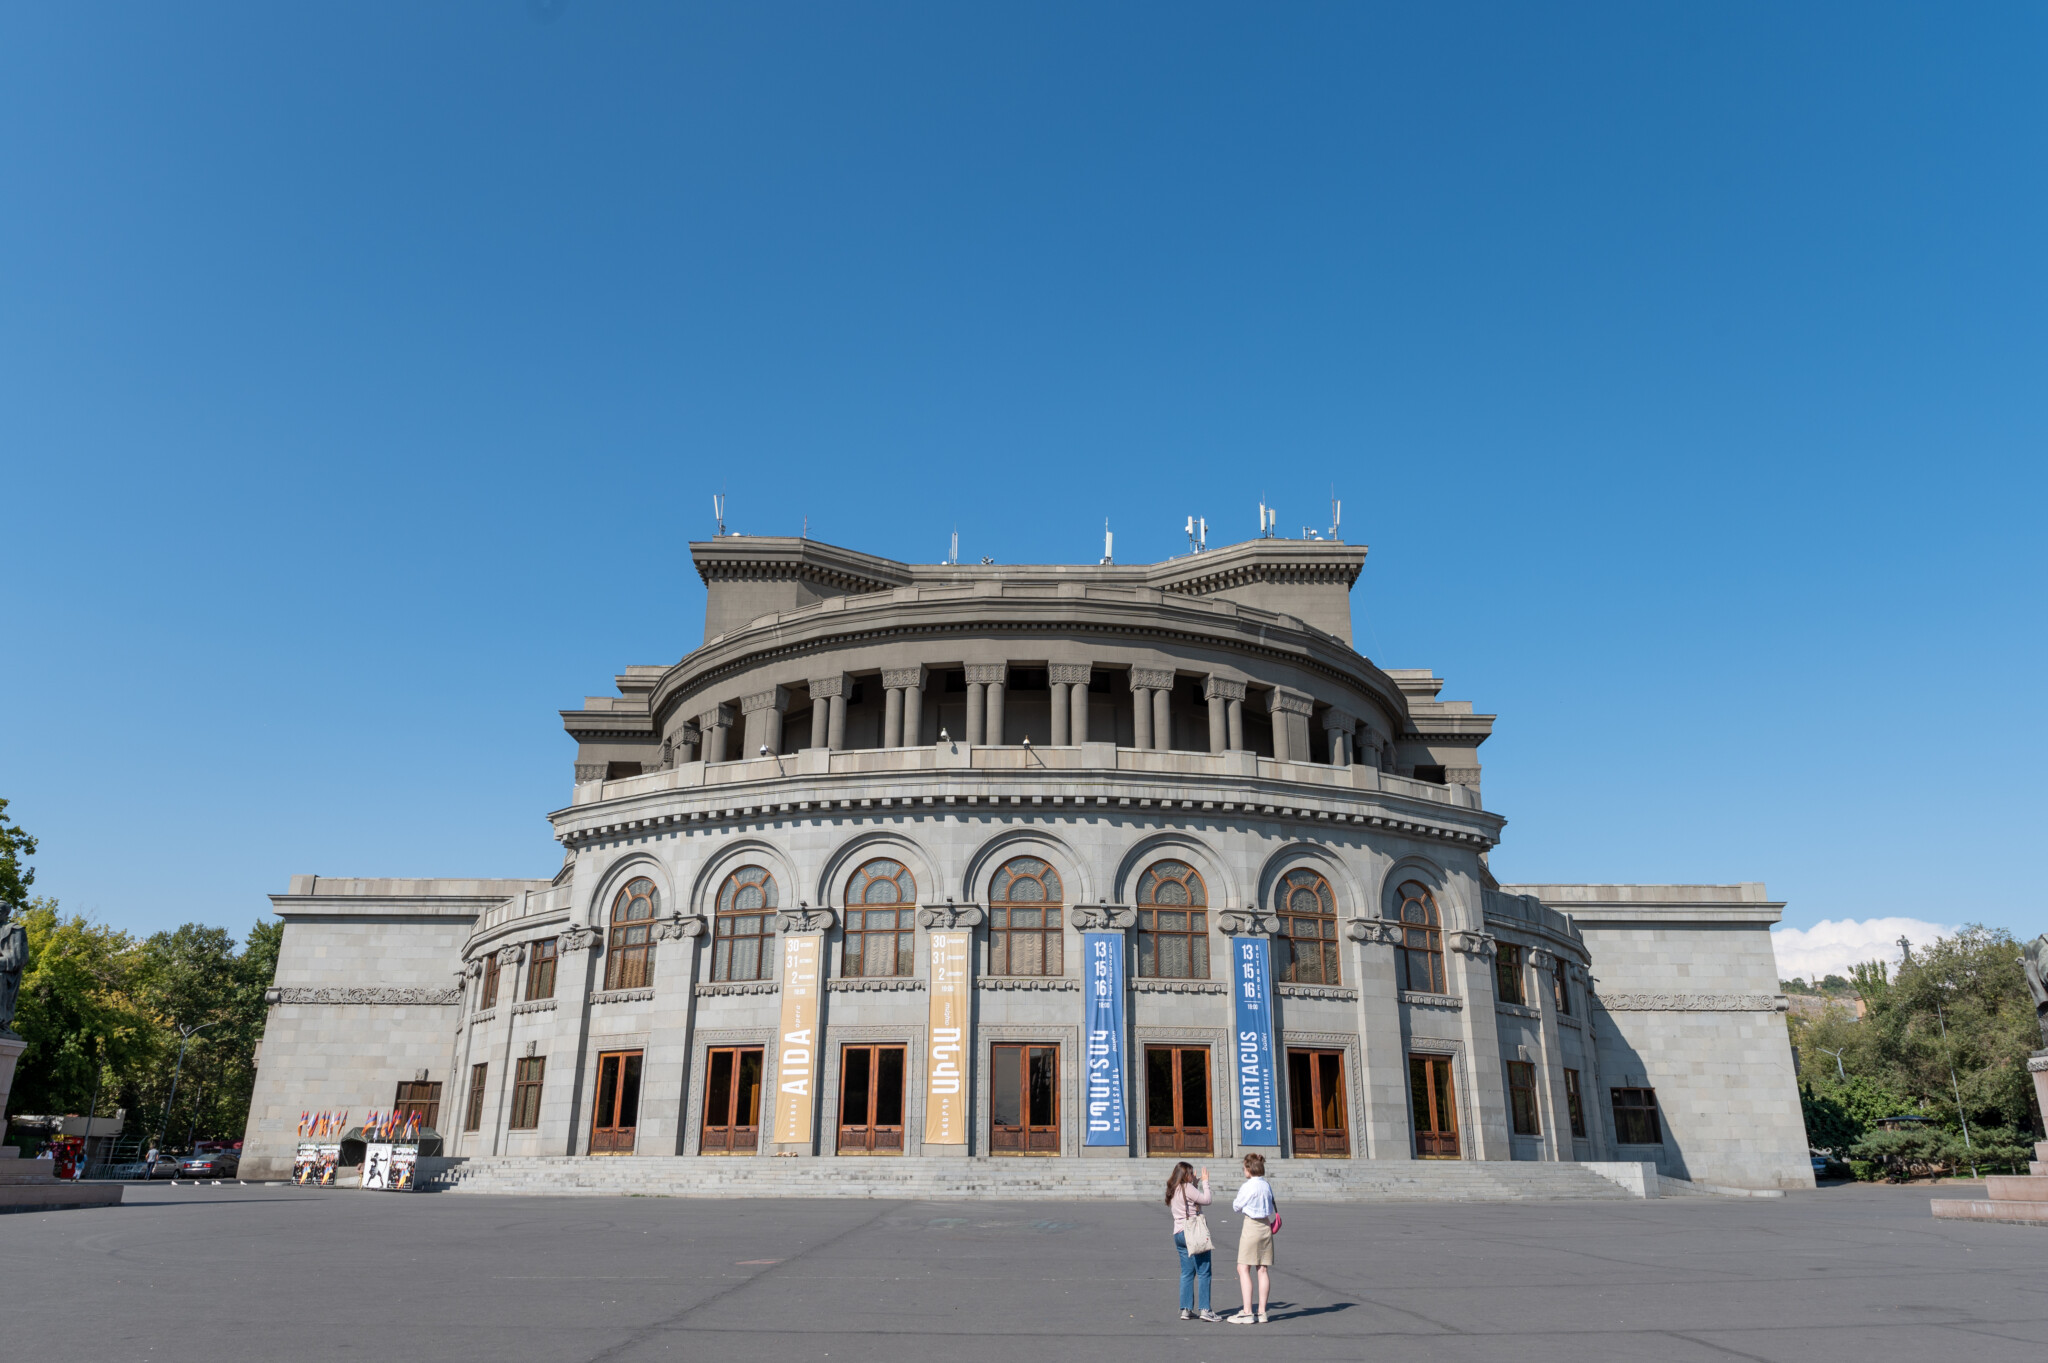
187, 1033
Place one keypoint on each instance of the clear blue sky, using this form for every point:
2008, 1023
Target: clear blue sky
364, 370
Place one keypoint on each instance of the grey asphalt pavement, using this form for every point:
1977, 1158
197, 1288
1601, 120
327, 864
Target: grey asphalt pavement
222, 1275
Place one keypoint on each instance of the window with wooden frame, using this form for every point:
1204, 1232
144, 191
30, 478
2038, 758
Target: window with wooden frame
1572, 1104
473, 1117
1308, 928
1507, 973
1026, 932
421, 1099
1422, 940
1173, 922
1635, 1117
1561, 988
488, 999
527, 1074
629, 947
1522, 1097
540, 968
881, 910
1433, 1107
743, 926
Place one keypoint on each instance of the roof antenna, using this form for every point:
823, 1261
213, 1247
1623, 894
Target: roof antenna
954, 557
1108, 543
718, 512
1198, 534
1336, 511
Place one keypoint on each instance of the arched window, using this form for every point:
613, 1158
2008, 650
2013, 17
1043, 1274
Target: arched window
1026, 935
881, 904
629, 947
1173, 922
743, 924
1422, 940
1308, 928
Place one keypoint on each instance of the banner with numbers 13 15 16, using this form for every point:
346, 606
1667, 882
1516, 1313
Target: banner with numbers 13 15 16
1102, 1036
1258, 1092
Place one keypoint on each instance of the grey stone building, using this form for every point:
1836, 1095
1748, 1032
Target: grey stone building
1084, 780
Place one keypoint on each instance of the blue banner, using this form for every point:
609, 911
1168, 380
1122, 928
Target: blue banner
1258, 1093
1102, 1036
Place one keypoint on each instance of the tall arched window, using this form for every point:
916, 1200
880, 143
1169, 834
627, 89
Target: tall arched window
629, 947
881, 904
1422, 940
1026, 935
1308, 928
1173, 922
743, 924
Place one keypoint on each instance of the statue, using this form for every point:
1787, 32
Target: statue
13, 960
2036, 961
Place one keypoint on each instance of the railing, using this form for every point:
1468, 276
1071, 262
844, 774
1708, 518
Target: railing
527, 902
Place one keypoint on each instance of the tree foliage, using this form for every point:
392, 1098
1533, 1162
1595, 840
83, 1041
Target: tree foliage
15, 878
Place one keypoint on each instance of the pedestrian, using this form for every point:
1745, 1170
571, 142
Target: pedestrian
149, 1161
1186, 1194
1255, 1244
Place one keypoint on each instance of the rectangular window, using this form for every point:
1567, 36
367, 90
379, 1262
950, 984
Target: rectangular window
871, 1100
1024, 1100
1571, 1101
1522, 1097
473, 1119
732, 1099
1635, 1117
1561, 988
1507, 973
421, 1098
878, 942
1434, 1110
1177, 1101
617, 1113
1026, 940
490, 994
1173, 944
526, 1082
741, 946
540, 970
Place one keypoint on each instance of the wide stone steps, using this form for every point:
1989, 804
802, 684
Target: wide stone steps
1297, 1180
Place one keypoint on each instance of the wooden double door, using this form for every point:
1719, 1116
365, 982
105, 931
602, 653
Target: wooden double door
732, 1100
1315, 1103
617, 1111
1024, 1100
871, 1100
1177, 1114
1433, 1107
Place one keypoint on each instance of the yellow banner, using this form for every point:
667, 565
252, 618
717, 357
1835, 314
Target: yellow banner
945, 1097
797, 1039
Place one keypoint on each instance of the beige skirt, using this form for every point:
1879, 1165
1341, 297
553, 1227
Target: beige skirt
1255, 1242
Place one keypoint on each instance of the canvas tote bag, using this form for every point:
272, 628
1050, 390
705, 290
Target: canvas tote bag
1196, 1230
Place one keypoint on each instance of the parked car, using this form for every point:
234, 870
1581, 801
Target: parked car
166, 1167
210, 1164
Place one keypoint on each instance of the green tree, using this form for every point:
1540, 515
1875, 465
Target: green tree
84, 1026
15, 878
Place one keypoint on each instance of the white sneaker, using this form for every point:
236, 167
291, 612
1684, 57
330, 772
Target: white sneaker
1262, 1317
1187, 1315
1209, 1316
1243, 1318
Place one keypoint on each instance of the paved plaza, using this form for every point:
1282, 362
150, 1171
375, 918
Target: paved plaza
206, 1274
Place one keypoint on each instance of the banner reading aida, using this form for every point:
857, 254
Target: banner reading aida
1258, 1094
945, 1099
1103, 1037
796, 1039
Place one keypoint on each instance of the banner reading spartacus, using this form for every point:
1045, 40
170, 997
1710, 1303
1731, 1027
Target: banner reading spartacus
945, 1104
796, 1062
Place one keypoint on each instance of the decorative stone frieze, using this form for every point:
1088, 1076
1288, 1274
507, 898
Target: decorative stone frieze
1150, 986
1339, 721
1517, 1010
622, 996
1248, 923
575, 938
1070, 674
1221, 688
679, 927
1694, 1003
824, 688
477, 1019
534, 1006
1284, 700
884, 984
775, 698
904, 678
805, 918
589, 771
1422, 1000
1469, 943
1151, 679
1461, 776
1374, 932
722, 989
1336, 992
1105, 917
511, 956
950, 915
1032, 983
375, 995
985, 674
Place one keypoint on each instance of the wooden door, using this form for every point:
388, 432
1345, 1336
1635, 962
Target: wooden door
1177, 1101
1315, 1102
732, 1100
618, 1103
1431, 1099
1024, 1100
871, 1100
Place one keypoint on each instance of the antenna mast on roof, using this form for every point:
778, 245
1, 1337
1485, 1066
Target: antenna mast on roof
718, 512
1336, 511
1198, 534
953, 558
1108, 543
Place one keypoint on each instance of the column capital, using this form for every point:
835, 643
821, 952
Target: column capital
1151, 679
904, 678
1374, 932
579, 939
717, 717
1248, 923
1222, 688
824, 688
1469, 943
679, 927
950, 916
988, 674
1070, 674
1339, 721
775, 698
805, 918
1105, 917
1284, 700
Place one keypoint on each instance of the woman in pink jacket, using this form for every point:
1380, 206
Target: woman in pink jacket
1186, 1194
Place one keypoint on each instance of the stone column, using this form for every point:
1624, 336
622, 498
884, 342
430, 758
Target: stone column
1290, 710
665, 1083
1383, 1061
564, 1098
1150, 714
1556, 1109
903, 720
716, 726
763, 712
1338, 727
991, 680
1121, 919
828, 712
1483, 1084
1226, 714
689, 742
1070, 687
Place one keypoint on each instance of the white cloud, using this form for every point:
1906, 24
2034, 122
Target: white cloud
1830, 947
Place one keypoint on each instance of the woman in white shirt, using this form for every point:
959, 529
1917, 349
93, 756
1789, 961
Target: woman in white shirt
1255, 1244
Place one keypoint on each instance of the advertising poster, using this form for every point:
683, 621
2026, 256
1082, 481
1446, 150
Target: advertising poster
330, 1164
405, 1161
1102, 1032
945, 1102
377, 1166
797, 1039
1258, 1093
306, 1163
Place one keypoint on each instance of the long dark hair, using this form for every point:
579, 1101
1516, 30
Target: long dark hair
1182, 1173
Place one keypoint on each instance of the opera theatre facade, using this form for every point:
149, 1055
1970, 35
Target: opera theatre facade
939, 863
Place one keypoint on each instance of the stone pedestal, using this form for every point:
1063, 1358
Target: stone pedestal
11, 1047
2016, 1199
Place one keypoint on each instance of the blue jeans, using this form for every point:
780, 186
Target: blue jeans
1194, 1275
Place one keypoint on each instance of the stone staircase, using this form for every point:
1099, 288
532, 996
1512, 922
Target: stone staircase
30, 1185
2020, 1199
926, 1179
